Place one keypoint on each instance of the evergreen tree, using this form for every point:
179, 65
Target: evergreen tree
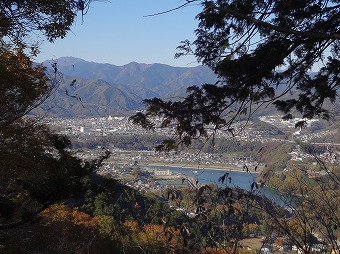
261, 51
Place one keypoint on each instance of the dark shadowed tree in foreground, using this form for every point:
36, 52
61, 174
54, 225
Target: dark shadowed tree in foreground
37, 168
281, 53
263, 53
23, 24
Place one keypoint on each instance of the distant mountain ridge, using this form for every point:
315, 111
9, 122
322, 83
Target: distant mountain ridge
103, 89
106, 89
157, 79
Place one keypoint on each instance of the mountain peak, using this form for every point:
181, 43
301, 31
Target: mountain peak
68, 60
112, 87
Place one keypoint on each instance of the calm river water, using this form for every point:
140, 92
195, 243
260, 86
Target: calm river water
240, 179
204, 176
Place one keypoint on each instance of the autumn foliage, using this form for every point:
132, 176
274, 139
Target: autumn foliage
130, 234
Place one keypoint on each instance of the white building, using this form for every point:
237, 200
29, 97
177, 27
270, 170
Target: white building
162, 172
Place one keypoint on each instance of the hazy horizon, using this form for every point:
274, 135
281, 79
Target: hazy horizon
120, 32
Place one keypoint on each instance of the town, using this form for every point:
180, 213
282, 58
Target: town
118, 125
124, 163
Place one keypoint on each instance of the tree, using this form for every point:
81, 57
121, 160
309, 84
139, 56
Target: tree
281, 53
18, 19
24, 86
262, 51
37, 167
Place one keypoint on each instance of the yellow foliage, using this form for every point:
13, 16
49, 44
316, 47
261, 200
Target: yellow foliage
153, 235
57, 212
60, 212
80, 218
226, 251
132, 225
252, 227
130, 232
214, 251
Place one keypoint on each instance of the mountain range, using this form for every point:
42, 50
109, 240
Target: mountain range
87, 89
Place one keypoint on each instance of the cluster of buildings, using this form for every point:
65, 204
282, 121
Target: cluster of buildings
142, 179
290, 123
119, 125
332, 157
100, 126
104, 126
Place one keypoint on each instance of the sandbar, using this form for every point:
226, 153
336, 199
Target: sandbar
217, 167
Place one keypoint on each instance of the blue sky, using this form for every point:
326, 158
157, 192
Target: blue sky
117, 32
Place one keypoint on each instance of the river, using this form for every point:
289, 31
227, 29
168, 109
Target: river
240, 179
204, 176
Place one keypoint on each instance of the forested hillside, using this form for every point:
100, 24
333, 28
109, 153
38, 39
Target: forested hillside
86, 98
95, 89
149, 80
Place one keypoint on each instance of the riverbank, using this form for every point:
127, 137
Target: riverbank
240, 178
217, 167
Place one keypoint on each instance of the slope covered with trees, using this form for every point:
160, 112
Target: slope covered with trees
93, 89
